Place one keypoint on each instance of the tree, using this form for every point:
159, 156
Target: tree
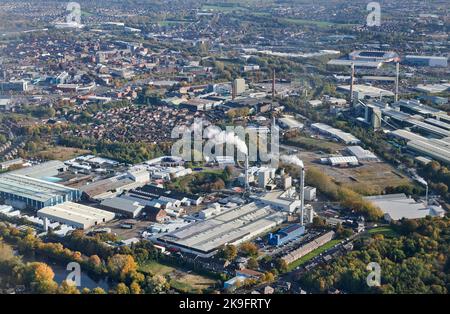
68, 288
249, 249
122, 288
42, 272
268, 277
6, 252
156, 284
252, 263
98, 290
95, 261
121, 266
281, 265
228, 252
135, 288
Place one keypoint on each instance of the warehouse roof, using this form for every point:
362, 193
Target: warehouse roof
341, 135
407, 135
77, 213
335, 160
398, 206
44, 169
430, 128
370, 91
122, 204
356, 63
437, 149
361, 153
227, 227
32, 188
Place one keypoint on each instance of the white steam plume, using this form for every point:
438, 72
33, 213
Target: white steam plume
222, 137
294, 160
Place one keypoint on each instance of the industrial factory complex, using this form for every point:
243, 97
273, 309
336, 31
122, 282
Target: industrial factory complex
22, 191
230, 226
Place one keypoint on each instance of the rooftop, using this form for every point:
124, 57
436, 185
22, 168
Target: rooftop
31, 188
398, 206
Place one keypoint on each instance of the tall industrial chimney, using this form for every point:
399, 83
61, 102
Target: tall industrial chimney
273, 84
247, 185
233, 90
396, 80
302, 195
352, 79
311, 215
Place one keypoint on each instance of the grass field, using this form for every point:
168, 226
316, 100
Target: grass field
312, 254
315, 144
173, 22
371, 178
387, 232
313, 22
180, 280
154, 268
223, 8
61, 152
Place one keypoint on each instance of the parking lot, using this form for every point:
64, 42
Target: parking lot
135, 232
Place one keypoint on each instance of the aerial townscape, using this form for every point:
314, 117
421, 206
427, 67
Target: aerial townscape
227, 147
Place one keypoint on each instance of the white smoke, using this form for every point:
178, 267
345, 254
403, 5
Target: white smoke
219, 137
294, 160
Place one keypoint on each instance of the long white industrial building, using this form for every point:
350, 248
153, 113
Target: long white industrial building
76, 215
233, 226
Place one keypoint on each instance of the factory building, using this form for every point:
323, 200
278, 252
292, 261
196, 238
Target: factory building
413, 107
365, 91
286, 234
122, 206
342, 136
363, 155
232, 226
308, 247
14, 86
356, 63
398, 206
238, 87
290, 123
431, 61
22, 192
76, 215
373, 116
286, 201
46, 170
310, 193
340, 161
153, 192
436, 149
11, 163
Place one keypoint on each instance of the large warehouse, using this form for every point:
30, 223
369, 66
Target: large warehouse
233, 226
432, 61
22, 191
342, 136
76, 215
436, 149
398, 206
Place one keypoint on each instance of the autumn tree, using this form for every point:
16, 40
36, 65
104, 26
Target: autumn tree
121, 265
156, 284
249, 249
68, 288
228, 252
